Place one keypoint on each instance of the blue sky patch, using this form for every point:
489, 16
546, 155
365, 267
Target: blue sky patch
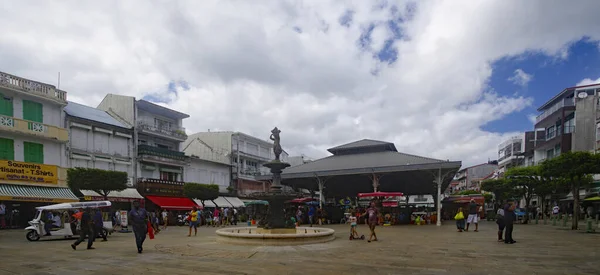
549, 76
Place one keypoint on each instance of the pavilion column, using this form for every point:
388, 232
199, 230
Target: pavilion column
375, 179
321, 184
439, 197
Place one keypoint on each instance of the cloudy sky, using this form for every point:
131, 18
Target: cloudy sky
445, 79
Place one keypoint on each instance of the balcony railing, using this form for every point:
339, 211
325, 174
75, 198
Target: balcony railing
160, 152
159, 181
177, 132
563, 103
32, 87
22, 126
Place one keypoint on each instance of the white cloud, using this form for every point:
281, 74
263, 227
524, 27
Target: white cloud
249, 69
588, 81
520, 78
532, 118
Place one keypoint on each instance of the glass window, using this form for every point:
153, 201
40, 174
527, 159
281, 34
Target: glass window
569, 126
550, 132
33, 111
170, 176
33, 152
7, 149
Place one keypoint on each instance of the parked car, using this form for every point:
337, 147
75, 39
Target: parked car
520, 212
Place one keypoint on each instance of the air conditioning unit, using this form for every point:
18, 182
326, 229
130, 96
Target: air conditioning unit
130, 182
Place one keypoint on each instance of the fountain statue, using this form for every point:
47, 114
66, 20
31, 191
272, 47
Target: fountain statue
275, 229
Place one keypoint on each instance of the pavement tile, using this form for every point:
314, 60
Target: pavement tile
541, 249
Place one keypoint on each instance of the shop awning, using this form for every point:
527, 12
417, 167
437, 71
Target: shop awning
172, 203
9, 192
235, 202
208, 204
127, 195
222, 202
596, 198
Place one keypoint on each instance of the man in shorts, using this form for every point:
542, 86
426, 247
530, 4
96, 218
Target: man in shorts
473, 215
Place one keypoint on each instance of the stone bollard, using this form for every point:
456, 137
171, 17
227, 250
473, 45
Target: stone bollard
537, 219
565, 219
597, 217
545, 220
554, 217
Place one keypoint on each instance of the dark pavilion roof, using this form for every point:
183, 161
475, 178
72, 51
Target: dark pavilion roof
351, 165
363, 156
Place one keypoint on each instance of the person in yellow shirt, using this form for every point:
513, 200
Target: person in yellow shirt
194, 215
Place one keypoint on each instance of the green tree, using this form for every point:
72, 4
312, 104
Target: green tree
100, 181
501, 189
574, 169
201, 192
526, 181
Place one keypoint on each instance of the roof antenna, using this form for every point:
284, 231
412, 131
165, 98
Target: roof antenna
58, 86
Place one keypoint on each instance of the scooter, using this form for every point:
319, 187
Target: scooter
182, 220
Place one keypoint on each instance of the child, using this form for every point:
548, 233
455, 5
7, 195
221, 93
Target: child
460, 220
352, 221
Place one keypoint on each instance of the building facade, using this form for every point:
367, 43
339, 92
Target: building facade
246, 156
208, 165
470, 178
518, 150
97, 140
559, 117
158, 136
32, 145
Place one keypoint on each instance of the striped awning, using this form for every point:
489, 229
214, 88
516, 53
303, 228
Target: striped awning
9, 192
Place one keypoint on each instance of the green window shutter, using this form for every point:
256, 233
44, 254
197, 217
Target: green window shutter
33, 111
33, 152
7, 149
6, 106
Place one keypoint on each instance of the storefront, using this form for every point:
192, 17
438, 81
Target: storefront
21, 201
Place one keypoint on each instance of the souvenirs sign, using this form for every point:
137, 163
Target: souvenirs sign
28, 172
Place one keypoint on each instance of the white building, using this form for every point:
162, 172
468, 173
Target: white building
208, 165
32, 142
158, 134
97, 140
246, 156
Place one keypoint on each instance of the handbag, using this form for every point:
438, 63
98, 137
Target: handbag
150, 231
459, 216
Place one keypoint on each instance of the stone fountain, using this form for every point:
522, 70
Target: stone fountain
276, 230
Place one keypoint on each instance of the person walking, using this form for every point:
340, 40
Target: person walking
500, 222
509, 220
165, 218
311, 215
460, 219
2, 215
372, 218
194, 217
139, 219
473, 216
99, 225
87, 230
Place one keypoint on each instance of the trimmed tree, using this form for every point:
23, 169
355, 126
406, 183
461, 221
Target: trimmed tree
526, 181
501, 189
100, 181
201, 192
574, 169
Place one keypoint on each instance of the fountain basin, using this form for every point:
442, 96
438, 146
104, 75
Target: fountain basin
260, 236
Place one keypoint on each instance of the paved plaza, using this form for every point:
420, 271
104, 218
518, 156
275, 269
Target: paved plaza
541, 249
